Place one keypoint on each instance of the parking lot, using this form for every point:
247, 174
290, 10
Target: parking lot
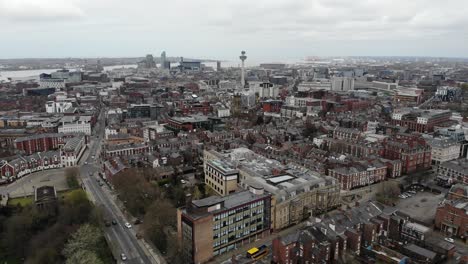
421, 206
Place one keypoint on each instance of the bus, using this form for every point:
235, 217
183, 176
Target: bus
257, 253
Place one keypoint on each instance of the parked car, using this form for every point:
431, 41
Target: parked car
123, 257
449, 239
128, 225
107, 223
114, 222
137, 221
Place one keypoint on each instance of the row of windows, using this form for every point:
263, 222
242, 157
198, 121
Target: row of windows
252, 206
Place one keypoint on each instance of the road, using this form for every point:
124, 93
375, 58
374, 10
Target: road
122, 239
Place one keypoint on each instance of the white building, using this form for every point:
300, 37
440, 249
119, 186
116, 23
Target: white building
264, 89
72, 124
223, 112
444, 150
342, 83
319, 84
58, 107
72, 151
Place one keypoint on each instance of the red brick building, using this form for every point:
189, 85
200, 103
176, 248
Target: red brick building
272, 106
420, 120
359, 174
40, 142
452, 218
301, 247
413, 151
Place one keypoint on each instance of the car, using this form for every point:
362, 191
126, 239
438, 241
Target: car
107, 223
92, 156
85, 163
123, 257
183, 181
412, 192
137, 221
114, 222
101, 184
449, 239
128, 225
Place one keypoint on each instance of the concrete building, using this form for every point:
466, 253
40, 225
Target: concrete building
216, 225
53, 107
455, 171
321, 84
443, 150
154, 132
297, 192
342, 83
142, 111
242, 57
74, 124
190, 123
72, 151
221, 176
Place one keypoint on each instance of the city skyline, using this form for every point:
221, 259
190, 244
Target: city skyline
269, 31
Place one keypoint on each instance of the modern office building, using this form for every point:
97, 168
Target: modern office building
297, 192
215, 225
142, 111
342, 83
221, 176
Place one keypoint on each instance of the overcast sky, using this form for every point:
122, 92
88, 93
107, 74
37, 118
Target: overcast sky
269, 30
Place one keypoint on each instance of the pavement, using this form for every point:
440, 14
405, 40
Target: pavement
25, 185
121, 239
422, 206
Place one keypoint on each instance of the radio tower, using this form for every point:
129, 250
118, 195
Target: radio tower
243, 58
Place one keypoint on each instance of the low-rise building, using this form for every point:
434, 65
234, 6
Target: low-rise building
422, 121
453, 171
74, 124
72, 151
443, 150
221, 176
297, 192
452, 218
359, 174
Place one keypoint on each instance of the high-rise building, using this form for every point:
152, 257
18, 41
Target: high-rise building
215, 225
164, 63
342, 83
149, 62
242, 57
218, 66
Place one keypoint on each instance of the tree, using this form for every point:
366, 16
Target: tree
197, 193
72, 177
388, 192
84, 257
86, 238
309, 130
160, 215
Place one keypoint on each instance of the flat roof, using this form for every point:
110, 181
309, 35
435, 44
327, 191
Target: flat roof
280, 179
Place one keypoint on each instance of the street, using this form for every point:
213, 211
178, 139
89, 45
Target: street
122, 239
